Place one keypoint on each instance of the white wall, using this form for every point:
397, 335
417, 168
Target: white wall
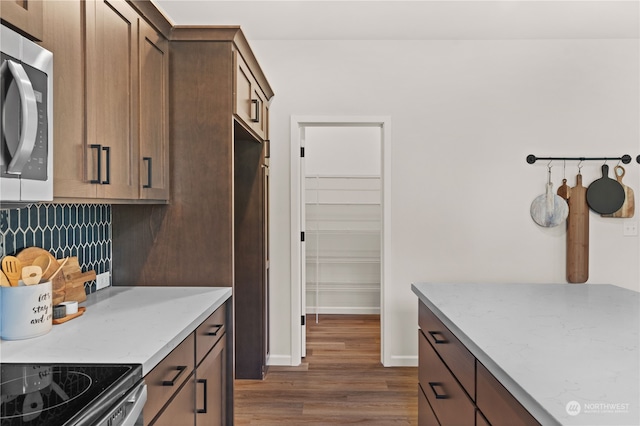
464, 114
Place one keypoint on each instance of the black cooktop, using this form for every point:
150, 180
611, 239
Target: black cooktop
61, 394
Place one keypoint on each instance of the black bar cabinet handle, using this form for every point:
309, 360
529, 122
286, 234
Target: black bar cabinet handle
435, 339
203, 410
433, 386
217, 329
181, 369
99, 174
256, 106
148, 160
108, 151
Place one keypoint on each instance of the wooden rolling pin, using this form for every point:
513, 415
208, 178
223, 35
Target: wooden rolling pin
578, 234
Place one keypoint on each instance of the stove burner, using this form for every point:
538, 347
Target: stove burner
60, 394
62, 390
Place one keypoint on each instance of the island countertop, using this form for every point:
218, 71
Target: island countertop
551, 345
122, 325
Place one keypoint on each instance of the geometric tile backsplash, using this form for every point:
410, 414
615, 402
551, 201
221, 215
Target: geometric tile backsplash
82, 230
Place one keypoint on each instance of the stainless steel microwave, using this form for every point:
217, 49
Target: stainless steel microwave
26, 120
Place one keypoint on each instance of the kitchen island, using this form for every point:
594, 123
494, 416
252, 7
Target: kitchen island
182, 337
567, 353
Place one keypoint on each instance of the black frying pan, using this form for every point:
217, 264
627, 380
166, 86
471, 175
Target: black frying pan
605, 195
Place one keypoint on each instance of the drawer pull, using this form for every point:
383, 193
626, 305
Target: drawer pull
149, 173
99, 171
217, 327
107, 149
203, 410
435, 339
433, 386
181, 369
256, 110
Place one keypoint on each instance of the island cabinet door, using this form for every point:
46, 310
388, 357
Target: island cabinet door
450, 403
497, 404
180, 410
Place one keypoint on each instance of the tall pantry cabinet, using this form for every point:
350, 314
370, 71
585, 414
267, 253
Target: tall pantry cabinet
214, 230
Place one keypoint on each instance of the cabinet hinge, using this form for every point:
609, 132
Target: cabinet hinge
302, 151
303, 320
302, 236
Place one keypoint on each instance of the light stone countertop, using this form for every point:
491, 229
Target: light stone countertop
551, 344
122, 325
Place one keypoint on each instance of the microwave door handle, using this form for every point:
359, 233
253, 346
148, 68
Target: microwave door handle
29, 125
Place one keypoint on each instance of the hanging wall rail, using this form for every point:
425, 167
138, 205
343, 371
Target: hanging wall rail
626, 159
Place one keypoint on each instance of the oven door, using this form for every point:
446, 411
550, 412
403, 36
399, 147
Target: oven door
128, 410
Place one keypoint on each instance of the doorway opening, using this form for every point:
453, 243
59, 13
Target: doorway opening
339, 182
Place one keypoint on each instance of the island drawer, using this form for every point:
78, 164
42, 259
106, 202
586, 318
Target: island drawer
497, 404
448, 399
455, 355
425, 413
167, 377
209, 332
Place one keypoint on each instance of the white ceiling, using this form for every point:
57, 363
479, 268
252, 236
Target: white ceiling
412, 20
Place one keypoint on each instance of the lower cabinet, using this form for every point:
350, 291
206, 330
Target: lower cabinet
193, 385
454, 387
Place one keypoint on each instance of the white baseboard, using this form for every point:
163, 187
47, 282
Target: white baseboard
402, 361
345, 310
281, 360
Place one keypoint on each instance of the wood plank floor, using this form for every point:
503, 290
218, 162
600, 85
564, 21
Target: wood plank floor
341, 381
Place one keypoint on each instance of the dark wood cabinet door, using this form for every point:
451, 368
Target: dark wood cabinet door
180, 409
211, 387
154, 114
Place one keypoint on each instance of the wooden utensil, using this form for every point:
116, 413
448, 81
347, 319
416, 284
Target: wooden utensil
58, 284
4, 282
549, 209
29, 255
605, 195
628, 207
75, 279
564, 191
43, 262
31, 274
578, 234
12, 268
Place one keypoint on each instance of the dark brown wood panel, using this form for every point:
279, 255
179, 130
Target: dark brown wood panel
449, 401
190, 241
211, 388
498, 405
250, 289
455, 355
180, 411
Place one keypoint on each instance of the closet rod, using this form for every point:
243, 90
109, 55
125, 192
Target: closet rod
626, 159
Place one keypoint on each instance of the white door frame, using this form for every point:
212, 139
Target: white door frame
298, 123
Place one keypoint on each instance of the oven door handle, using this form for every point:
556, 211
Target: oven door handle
29, 122
135, 403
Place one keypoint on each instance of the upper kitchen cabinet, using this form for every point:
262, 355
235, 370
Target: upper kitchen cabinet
251, 105
110, 104
26, 16
214, 230
154, 114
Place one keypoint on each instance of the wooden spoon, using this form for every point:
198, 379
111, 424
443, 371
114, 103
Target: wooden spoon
62, 263
12, 269
44, 262
4, 282
31, 275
